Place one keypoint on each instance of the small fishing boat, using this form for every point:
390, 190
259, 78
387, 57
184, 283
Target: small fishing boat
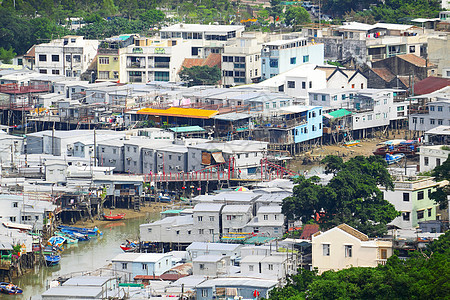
352, 143
393, 158
70, 239
52, 259
9, 288
81, 237
112, 217
164, 198
56, 241
129, 246
89, 231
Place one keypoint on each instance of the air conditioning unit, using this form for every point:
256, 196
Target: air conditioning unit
70, 147
128, 158
266, 50
160, 155
178, 167
160, 166
111, 160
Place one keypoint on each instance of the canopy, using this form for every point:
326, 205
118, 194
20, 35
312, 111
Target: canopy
241, 189
339, 113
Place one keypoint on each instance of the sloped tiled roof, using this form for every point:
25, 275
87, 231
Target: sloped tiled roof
309, 230
213, 59
430, 84
352, 231
414, 59
31, 52
384, 74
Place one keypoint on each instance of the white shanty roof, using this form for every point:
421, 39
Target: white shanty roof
201, 28
140, 257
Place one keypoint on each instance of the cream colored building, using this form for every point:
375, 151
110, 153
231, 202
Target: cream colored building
343, 247
438, 47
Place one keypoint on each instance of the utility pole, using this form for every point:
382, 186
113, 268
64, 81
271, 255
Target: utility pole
95, 148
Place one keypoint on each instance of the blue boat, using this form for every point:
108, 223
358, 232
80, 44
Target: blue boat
89, 231
56, 241
52, 259
393, 158
10, 289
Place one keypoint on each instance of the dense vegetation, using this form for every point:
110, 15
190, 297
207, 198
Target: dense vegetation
200, 75
440, 173
423, 276
352, 196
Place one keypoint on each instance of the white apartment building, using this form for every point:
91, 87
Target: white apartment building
269, 221
235, 217
149, 60
344, 247
205, 39
438, 114
241, 61
69, 56
433, 156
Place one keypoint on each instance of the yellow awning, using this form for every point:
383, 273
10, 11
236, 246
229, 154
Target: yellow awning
180, 112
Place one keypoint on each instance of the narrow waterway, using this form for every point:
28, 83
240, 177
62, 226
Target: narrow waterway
86, 256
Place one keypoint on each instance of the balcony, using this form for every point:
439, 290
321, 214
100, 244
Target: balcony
162, 65
135, 65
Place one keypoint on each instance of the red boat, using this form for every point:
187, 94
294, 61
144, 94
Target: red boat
111, 217
129, 246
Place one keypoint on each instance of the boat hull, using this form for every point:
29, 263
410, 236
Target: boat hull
114, 217
10, 289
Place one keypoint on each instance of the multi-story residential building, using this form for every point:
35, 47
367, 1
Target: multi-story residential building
412, 199
235, 217
364, 43
170, 159
153, 60
432, 156
438, 114
109, 53
205, 39
282, 55
197, 249
211, 265
267, 266
344, 247
268, 221
69, 56
143, 263
207, 222
241, 62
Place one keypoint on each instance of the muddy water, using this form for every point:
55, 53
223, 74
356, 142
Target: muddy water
86, 256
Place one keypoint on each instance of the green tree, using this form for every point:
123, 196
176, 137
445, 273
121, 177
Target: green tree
152, 16
442, 172
276, 8
352, 196
297, 15
6, 56
200, 75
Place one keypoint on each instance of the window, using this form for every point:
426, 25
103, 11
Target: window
211, 218
15, 204
55, 72
42, 57
266, 217
250, 268
438, 162
124, 266
306, 58
55, 58
228, 217
103, 60
178, 232
412, 48
430, 211
421, 120
420, 195
303, 85
440, 121
348, 251
420, 214
431, 107
201, 266
426, 161
103, 75
291, 84
43, 71
189, 232
204, 293
324, 97
439, 108
414, 120
200, 231
144, 266
270, 267
326, 249
293, 60
273, 63
211, 231
383, 253
405, 196
310, 84
432, 121
200, 218
149, 229
114, 150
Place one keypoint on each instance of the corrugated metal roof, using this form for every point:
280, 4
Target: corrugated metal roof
187, 129
180, 112
339, 113
212, 246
